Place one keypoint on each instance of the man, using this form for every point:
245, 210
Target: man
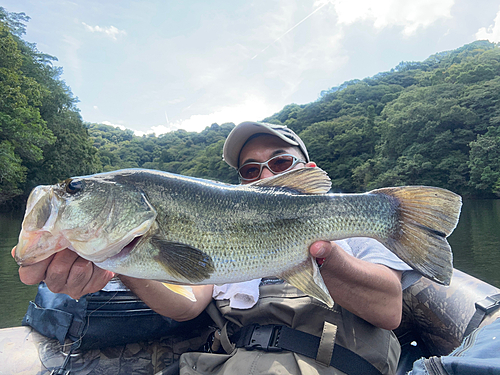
364, 280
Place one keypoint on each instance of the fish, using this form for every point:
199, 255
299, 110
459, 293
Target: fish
186, 231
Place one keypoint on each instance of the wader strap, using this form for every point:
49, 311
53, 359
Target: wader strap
276, 338
221, 322
326, 344
215, 314
483, 308
227, 345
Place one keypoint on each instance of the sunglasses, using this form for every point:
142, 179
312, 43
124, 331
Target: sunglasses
278, 164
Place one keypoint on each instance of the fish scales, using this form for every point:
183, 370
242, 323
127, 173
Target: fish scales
162, 226
260, 231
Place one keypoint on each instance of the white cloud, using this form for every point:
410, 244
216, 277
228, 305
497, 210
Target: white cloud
411, 15
253, 108
138, 133
492, 32
121, 127
109, 31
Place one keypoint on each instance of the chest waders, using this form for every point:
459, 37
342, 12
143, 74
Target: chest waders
287, 332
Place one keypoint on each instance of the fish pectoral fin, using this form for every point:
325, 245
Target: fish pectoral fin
306, 278
183, 290
183, 261
302, 180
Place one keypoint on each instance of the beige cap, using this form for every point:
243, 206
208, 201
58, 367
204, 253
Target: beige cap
242, 132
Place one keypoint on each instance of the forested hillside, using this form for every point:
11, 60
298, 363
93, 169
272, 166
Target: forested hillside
187, 153
42, 137
435, 122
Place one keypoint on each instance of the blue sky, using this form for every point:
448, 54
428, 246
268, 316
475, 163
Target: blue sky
160, 65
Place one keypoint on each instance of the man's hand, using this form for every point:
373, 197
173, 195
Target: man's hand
66, 272
371, 291
321, 250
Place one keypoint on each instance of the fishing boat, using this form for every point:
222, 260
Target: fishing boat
435, 320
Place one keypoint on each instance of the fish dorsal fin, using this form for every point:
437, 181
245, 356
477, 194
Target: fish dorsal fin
181, 260
302, 180
307, 278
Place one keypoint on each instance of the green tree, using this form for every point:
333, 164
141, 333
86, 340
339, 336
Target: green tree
23, 132
484, 162
42, 135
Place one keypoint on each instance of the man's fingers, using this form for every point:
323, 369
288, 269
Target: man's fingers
326, 253
78, 277
66, 272
85, 277
98, 280
59, 269
34, 273
320, 249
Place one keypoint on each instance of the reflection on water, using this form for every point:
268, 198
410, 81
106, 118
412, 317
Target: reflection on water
476, 240
475, 243
14, 295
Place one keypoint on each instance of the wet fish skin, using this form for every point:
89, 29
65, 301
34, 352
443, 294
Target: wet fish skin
194, 231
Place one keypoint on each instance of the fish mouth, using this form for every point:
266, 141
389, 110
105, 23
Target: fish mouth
29, 260
37, 228
28, 250
129, 247
126, 250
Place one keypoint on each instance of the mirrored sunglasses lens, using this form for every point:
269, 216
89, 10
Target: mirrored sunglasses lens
281, 163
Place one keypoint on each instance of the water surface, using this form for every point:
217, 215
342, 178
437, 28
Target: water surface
14, 295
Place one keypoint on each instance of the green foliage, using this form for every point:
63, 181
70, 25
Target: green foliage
432, 123
12, 173
187, 153
435, 122
42, 137
340, 146
484, 161
425, 137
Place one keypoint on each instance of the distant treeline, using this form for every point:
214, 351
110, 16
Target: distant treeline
435, 122
182, 152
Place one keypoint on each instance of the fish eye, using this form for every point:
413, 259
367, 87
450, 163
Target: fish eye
72, 186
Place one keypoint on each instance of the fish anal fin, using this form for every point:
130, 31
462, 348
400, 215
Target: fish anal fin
180, 260
183, 290
302, 180
307, 278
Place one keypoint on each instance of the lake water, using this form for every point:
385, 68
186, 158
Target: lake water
475, 243
14, 295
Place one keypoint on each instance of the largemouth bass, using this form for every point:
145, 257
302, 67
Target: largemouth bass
182, 230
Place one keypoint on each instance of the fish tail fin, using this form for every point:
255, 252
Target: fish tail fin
307, 278
426, 216
183, 290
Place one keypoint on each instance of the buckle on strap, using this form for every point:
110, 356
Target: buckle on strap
261, 337
489, 304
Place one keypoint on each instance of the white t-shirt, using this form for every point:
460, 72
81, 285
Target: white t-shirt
244, 295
